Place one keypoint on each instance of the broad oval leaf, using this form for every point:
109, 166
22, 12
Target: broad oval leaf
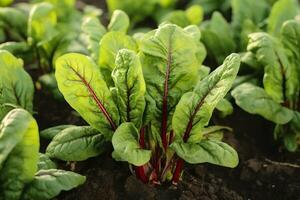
130, 87
126, 145
255, 100
80, 81
119, 21
47, 184
76, 144
16, 86
93, 31
19, 146
50, 133
110, 44
280, 78
281, 11
171, 58
207, 151
45, 162
195, 108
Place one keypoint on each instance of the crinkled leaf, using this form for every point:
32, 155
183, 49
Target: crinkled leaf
80, 81
280, 78
255, 100
170, 60
130, 87
215, 132
110, 44
94, 31
19, 146
45, 162
119, 21
16, 86
76, 144
195, 108
207, 151
50, 133
281, 11
126, 145
47, 184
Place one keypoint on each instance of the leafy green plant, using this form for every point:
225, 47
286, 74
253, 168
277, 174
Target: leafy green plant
150, 100
24, 173
278, 100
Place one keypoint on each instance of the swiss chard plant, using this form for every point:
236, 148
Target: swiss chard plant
25, 174
150, 99
278, 99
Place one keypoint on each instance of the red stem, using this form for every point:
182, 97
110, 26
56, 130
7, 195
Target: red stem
177, 172
140, 174
142, 138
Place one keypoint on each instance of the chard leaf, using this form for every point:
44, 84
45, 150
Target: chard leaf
218, 45
94, 31
76, 144
47, 184
51, 132
5, 3
126, 145
255, 100
45, 162
48, 82
280, 78
110, 44
19, 146
207, 151
41, 23
15, 22
224, 107
16, 86
171, 61
119, 21
247, 9
80, 81
130, 87
215, 132
195, 108
281, 11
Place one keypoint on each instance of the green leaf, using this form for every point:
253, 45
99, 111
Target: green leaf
215, 132
80, 81
280, 78
255, 100
126, 145
137, 10
93, 31
195, 108
171, 59
47, 184
5, 2
41, 23
45, 162
177, 17
195, 14
119, 21
16, 86
247, 9
14, 22
224, 107
76, 144
50, 133
130, 87
281, 11
19, 146
110, 44
218, 45
18, 49
207, 151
